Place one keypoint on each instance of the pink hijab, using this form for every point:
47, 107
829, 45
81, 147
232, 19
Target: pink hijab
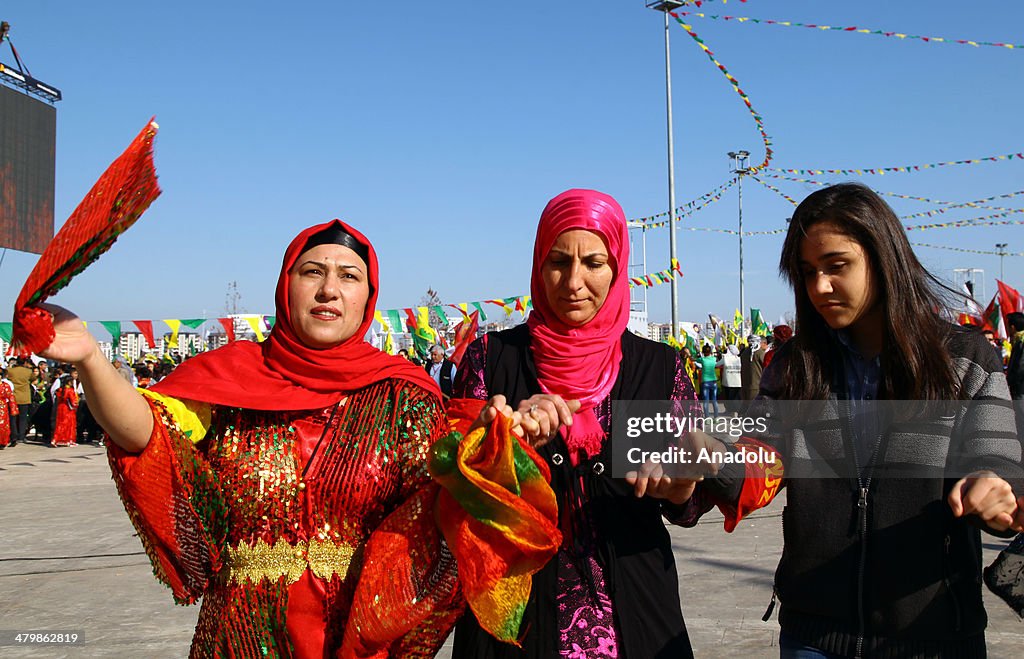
581, 362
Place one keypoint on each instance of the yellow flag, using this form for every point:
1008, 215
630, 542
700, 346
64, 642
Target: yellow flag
175, 325
254, 323
423, 323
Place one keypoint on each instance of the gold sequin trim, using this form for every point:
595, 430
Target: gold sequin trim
283, 559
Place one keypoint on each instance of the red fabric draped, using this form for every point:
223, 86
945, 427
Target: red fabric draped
581, 362
282, 373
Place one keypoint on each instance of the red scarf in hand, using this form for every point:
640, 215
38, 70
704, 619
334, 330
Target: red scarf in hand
115, 202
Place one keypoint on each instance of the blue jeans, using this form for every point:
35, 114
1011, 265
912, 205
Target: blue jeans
709, 390
790, 648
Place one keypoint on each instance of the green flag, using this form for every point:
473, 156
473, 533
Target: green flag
441, 315
395, 320
6, 331
757, 324
114, 327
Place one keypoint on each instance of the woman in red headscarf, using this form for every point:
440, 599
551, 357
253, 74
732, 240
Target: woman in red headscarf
255, 474
613, 589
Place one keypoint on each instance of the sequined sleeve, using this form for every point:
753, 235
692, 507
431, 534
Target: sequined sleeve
173, 499
422, 422
429, 424
408, 600
469, 378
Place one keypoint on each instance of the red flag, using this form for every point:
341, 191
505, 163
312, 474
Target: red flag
120, 196
459, 309
229, 327
1010, 300
967, 319
993, 319
464, 335
146, 327
410, 321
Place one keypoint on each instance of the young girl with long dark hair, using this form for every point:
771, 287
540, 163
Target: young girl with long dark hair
875, 564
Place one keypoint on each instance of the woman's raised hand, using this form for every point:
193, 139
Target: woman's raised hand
73, 343
116, 406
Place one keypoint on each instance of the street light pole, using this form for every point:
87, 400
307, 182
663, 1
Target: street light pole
665, 6
1002, 252
740, 167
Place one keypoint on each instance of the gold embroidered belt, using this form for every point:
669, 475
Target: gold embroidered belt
284, 559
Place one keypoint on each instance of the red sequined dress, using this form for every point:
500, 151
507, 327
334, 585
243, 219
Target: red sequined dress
65, 429
265, 515
8, 410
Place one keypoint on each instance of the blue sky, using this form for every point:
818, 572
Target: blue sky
442, 129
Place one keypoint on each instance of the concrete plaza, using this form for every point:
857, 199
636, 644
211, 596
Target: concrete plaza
69, 561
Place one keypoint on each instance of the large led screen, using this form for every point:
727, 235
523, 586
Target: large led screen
28, 136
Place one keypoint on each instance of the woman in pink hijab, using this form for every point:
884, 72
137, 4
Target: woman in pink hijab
613, 590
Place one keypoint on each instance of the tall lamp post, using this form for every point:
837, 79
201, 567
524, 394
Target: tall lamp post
1002, 252
740, 167
665, 6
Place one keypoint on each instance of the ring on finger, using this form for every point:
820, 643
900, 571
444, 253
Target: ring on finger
533, 408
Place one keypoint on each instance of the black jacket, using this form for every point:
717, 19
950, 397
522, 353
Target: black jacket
634, 545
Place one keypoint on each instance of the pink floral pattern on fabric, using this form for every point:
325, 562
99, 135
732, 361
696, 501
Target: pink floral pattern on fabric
586, 625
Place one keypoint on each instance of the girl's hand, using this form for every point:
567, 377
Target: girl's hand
988, 496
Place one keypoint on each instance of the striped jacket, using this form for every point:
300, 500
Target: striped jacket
874, 563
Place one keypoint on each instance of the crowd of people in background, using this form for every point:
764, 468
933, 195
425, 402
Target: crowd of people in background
43, 402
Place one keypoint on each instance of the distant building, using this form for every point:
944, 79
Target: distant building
661, 331
133, 346
638, 323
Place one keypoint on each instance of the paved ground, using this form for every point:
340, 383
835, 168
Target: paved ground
69, 562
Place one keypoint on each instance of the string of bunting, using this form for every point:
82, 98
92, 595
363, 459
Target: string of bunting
777, 191
736, 87
969, 251
698, 3
977, 203
854, 30
258, 323
387, 318
690, 207
881, 171
986, 221
717, 196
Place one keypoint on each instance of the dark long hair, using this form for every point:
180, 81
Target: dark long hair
915, 361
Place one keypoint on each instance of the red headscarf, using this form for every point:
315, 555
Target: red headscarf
282, 373
581, 362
